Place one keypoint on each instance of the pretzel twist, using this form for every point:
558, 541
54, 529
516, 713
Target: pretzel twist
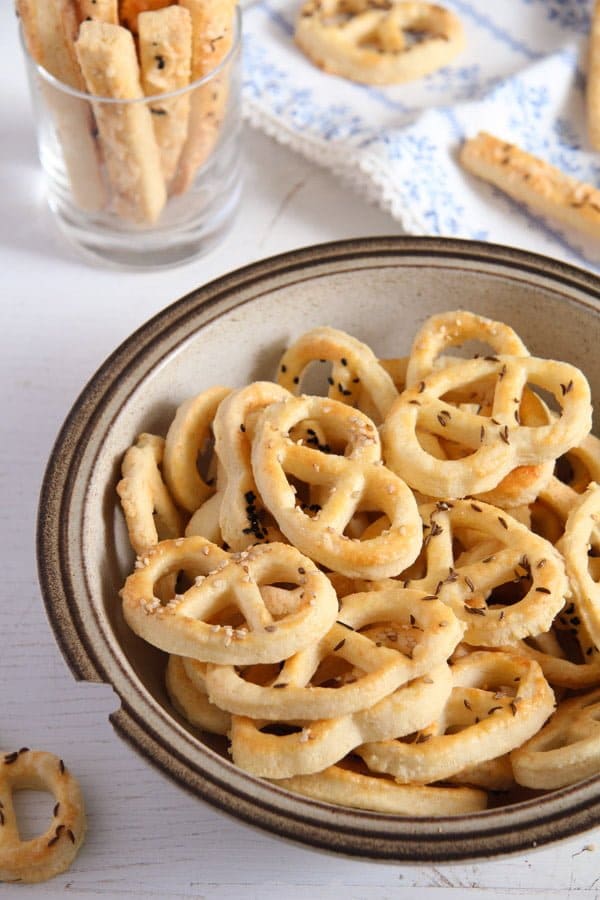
357, 376
188, 624
578, 539
191, 701
354, 481
149, 510
383, 44
53, 851
497, 702
566, 750
314, 745
417, 634
344, 786
497, 443
242, 516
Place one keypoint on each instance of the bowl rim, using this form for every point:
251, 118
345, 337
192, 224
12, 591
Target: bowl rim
142, 721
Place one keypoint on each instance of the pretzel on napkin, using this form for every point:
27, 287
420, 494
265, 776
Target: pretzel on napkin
108, 60
49, 29
53, 851
165, 47
526, 178
378, 43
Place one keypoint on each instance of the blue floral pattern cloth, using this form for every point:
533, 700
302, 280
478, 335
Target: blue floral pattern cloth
521, 77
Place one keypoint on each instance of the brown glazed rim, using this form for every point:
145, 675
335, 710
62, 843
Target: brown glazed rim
161, 739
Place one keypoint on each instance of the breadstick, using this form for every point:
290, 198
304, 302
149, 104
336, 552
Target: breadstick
593, 80
99, 11
165, 42
50, 28
212, 35
544, 188
109, 64
129, 11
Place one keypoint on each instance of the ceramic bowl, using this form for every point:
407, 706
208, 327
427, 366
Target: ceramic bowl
230, 332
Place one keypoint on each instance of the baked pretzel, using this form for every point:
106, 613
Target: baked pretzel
53, 851
129, 11
579, 539
291, 748
187, 438
497, 443
382, 43
407, 636
349, 785
356, 378
451, 329
205, 521
498, 701
243, 520
356, 481
195, 623
491, 775
191, 701
149, 510
578, 670
566, 750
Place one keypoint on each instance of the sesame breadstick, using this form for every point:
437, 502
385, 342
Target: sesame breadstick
593, 80
165, 42
49, 29
212, 36
109, 64
99, 11
544, 188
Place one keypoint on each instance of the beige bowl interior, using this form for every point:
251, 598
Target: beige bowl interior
231, 332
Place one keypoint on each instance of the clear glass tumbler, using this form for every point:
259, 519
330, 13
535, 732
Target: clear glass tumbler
143, 183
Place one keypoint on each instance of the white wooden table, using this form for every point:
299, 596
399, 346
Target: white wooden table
59, 319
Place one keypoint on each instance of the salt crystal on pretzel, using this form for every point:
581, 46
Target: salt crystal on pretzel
451, 329
165, 48
52, 852
188, 624
188, 436
498, 443
356, 481
149, 510
347, 785
242, 517
566, 750
192, 702
356, 373
407, 636
497, 702
312, 746
376, 43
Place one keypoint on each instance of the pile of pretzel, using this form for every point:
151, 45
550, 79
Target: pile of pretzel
129, 158
384, 596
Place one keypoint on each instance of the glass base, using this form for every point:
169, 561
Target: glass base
132, 248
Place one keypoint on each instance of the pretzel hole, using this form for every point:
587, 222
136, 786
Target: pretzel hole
546, 522
510, 592
566, 636
261, 673
33, 806
280, 729
334, 672
206, 460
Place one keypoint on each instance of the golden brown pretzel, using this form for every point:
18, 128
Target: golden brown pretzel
54, 850
354, 481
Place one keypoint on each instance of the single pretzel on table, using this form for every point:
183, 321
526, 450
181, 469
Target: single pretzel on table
353, 482
378, 41
53, 851
196, 623
498, 701
497, 443
408, 634
304, 747
566, 750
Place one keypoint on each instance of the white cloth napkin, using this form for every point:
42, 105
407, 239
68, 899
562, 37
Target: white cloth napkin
521, 77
